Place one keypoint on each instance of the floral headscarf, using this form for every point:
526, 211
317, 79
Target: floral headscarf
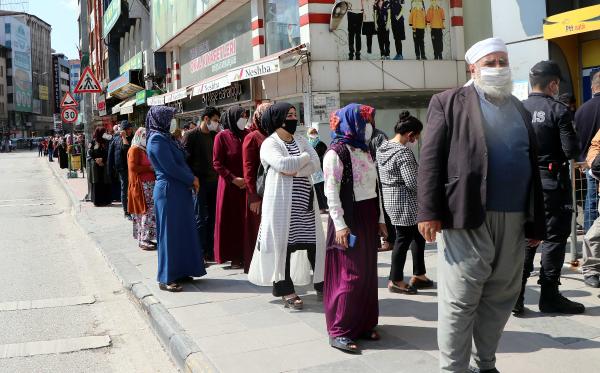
139, 139
257, 117
348, 125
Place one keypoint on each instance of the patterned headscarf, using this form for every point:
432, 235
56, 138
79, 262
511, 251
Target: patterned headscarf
348, 125
158, 120
257, 118
230, 118
139, 139
274, 117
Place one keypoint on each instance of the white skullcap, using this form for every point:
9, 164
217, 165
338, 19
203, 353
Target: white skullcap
483, 48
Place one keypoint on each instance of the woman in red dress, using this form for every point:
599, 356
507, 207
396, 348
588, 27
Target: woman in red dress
251, 159
231, 196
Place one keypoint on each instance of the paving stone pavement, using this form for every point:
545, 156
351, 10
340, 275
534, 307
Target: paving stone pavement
241, 327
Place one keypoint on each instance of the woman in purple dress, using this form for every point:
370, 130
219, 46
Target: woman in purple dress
356, 221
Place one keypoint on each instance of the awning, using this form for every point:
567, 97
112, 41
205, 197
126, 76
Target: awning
117, 108
211, 84
156, 100
127, 106
269, 65
573, 22
179, 94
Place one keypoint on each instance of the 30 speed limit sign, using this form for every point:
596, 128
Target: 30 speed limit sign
69, 115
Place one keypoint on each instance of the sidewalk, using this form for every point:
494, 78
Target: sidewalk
223, 323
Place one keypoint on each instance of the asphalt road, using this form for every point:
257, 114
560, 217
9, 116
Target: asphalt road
61, 308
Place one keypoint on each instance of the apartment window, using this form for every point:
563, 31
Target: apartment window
9, 98
9, 80
1, 71
1, 90
282, 25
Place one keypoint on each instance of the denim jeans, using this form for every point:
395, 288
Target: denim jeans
205, 206
590, 211
124, 178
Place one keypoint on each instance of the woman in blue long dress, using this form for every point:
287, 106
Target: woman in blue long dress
179, 253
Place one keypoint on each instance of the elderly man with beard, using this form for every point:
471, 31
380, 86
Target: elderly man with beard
479, 185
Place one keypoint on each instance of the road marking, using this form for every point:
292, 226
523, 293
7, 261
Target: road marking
29, 204
56, 346
46, 303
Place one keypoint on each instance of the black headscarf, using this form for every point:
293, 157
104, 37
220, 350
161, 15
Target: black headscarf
230, 118
275, 116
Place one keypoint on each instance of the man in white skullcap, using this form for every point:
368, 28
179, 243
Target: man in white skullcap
479, 185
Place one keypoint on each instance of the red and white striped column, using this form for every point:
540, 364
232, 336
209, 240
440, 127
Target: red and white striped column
258, 29
315, 16
457, 32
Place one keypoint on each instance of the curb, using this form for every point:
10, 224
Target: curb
184, 352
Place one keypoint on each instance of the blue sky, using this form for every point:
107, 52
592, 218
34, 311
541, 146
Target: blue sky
62, 15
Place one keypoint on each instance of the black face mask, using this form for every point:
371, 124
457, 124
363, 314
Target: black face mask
290, 126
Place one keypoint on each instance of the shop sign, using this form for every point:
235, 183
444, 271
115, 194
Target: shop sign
57, 94
231, 93
210, 85
255, 70
142, 96
21, 59
111, 15
43, 92
134, 63
214, 56
179, 94
156, 100
572, 22
101, 105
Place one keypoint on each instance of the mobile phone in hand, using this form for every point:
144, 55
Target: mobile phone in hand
351, 240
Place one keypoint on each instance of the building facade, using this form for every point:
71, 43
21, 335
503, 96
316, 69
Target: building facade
222, 53
29, 68
4, 132
61, 84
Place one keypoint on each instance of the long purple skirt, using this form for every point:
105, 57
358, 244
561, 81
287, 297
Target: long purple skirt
350, 289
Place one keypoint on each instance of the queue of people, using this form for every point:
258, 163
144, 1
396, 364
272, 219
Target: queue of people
489, 187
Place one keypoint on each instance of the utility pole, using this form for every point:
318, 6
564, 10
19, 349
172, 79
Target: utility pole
84, 47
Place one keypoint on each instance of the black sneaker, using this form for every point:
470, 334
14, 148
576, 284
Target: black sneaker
477, 370
560, 304
519, 308
592, 281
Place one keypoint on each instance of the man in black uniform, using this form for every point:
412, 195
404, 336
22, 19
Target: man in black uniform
557, 142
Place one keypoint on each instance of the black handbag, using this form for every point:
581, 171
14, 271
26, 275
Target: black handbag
261, 178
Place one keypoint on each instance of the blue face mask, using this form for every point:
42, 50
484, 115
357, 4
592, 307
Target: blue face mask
313, 140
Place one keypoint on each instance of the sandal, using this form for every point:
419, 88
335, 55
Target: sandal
236, 266
408, 290
294, 303
371, 335
172, 287
147, 247
344, 344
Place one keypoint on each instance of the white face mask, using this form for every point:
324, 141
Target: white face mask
368, 132
312, 136
241, 123
495, 76
107, 136
213, 125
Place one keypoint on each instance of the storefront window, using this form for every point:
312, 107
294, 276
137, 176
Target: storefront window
282, 25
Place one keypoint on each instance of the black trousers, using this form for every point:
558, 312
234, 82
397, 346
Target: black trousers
419, 39
320, 192
398, 32
437, 40
124, 179
383, 37
286, 287
355, 21
205, 207
405, 235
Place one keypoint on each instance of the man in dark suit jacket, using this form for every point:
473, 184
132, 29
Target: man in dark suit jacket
479, 185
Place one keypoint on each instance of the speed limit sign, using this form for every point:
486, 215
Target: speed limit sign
69, 115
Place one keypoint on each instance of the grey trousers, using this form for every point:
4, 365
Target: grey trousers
591, 250
479, 281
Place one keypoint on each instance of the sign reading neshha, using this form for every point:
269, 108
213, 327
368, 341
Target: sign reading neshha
111, 15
